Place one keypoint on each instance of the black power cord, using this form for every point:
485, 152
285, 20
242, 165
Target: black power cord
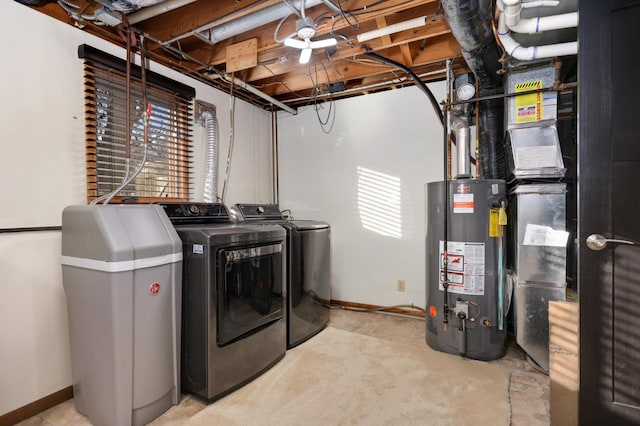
419, 83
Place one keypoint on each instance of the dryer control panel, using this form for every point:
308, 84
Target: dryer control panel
196, 212
259, 211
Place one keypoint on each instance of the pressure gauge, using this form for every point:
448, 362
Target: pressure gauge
466, 91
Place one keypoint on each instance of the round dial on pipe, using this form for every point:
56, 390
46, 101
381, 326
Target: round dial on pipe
466, 91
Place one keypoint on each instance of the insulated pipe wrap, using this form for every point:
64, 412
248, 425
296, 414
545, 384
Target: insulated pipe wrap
493, 161
253, 20
470, 22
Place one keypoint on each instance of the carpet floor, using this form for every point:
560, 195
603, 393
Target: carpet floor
344, 378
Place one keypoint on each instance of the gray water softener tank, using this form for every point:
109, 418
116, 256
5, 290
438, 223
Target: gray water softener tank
469, 318
122, 276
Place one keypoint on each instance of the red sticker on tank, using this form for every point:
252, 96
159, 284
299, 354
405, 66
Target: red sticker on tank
154, 288
463, 189
433, 311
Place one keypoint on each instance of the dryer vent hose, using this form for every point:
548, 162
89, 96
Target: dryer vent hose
210, 122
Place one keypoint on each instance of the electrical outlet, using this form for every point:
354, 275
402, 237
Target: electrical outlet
400, 285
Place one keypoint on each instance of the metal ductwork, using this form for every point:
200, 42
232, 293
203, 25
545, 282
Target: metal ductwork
206, 113
216, 31
128, 5
470, 23
156, 10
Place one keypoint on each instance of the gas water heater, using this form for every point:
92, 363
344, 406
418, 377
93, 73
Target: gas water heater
466, 312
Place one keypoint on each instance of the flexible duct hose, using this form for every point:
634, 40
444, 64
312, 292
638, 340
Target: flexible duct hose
211, 171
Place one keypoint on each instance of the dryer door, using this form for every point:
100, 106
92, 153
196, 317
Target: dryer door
250, 290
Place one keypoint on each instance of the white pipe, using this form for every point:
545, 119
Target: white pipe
511, 11
540, 3
158, 9
400, 26
545, 23
522, 53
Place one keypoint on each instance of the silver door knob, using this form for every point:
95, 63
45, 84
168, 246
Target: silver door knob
598, 242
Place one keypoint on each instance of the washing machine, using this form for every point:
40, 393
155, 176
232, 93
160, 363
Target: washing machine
234, 293
308, 268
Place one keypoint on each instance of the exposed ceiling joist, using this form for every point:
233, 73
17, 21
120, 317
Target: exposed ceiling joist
258, 59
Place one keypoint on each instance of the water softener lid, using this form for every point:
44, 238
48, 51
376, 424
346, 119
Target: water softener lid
118, 233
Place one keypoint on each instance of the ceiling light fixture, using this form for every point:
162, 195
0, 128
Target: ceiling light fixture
307, 46
395, 28
305, 29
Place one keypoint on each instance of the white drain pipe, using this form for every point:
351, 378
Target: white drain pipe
546, 23
511, 10
522, 53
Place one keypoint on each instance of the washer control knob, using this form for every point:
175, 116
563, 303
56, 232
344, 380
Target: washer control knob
193, 209
260, 210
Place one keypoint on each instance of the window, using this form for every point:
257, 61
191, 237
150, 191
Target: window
166, 173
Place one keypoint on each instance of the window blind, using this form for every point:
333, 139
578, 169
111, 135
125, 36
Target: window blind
166, 174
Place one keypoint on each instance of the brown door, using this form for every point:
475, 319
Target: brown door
609, 208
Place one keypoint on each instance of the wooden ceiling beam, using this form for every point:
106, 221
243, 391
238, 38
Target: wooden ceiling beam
186, 18
433, 30
277, 71
392, 13
353, 69
382, 22
407, 57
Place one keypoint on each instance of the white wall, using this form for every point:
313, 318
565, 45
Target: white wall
395, 133
42, 170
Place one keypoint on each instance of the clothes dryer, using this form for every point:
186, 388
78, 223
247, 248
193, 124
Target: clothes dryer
308, 268
234, 293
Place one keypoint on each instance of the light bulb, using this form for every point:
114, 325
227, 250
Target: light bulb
305, 55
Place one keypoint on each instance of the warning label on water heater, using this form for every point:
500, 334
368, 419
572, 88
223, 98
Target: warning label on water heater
463, 203
465, 267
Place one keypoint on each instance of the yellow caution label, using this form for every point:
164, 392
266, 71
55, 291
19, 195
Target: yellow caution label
502, 216
528, 107
494, 227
